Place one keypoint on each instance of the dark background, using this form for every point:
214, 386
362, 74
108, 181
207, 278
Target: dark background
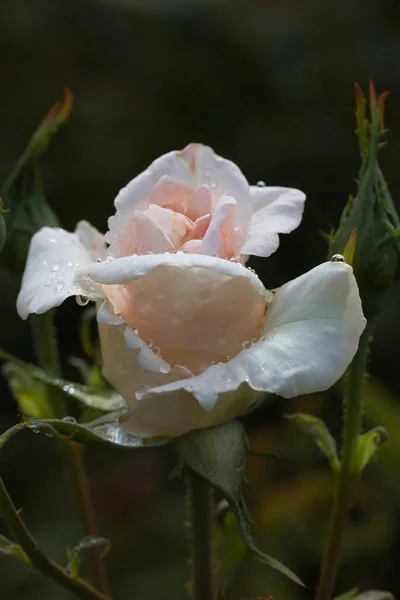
268, 84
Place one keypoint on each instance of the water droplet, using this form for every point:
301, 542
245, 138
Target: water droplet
53, 240
82, 300
149, 252
150, 343
180, 252
98, 259
55, 268
260, 184
135, 332
47, 283
251, 270
164, 368
338, 258
254, 341
213, 184
140, 392
69, 420
229, 357
70, 264
246, 345
109, 259
167, 252
44, 263
213, 362
214, 254
156, 350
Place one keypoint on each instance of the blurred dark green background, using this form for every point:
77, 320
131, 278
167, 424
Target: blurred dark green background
268, 84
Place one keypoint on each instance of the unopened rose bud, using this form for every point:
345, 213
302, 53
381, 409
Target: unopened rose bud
371, 214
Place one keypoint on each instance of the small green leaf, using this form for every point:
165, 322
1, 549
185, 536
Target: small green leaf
219, 455
367, 446
29, 392
10, 548
375, 595
105, 400
87, 543
22, 192
105, 430
347, 595
321, 434
229, 547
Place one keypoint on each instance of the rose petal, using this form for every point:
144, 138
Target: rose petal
123, 369
54, 259
176, 226
196, 309
139, 235
227, 230
275, 210
310, 335
182, 181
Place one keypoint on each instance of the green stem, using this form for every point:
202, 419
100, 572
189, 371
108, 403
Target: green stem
201, 537
46, 349
43, 563
347, 477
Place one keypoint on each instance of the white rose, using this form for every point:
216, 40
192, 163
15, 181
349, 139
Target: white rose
190, 337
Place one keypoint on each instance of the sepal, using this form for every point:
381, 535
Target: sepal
317, 429
218, 454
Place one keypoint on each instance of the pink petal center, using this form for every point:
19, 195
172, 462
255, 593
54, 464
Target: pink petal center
195, 317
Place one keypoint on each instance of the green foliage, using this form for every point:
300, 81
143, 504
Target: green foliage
105, 400
29, 392
371, 214
219, 455
10, 548
87, 543
23, 194
367, 447
321, 435
229, 547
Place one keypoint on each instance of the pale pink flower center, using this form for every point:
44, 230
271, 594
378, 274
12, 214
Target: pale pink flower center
193, 318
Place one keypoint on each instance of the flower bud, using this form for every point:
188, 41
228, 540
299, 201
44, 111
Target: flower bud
371, 214
25, 207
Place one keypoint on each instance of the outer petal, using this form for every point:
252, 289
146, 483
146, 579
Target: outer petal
195, 309
275, 210
310, 336
123, 364
55, 256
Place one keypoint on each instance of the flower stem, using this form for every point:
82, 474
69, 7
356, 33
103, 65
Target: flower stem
201, 537
347, 477
43, 563
46, 349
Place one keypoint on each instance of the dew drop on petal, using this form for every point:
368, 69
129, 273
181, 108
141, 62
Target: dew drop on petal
69, 420
229, 357
82, 300
98, 259
140, 392
70, 264
156, 350
260, 184
254, 341
246, 345
337, 258
149, 252
55, 268
150, 343
135, 332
